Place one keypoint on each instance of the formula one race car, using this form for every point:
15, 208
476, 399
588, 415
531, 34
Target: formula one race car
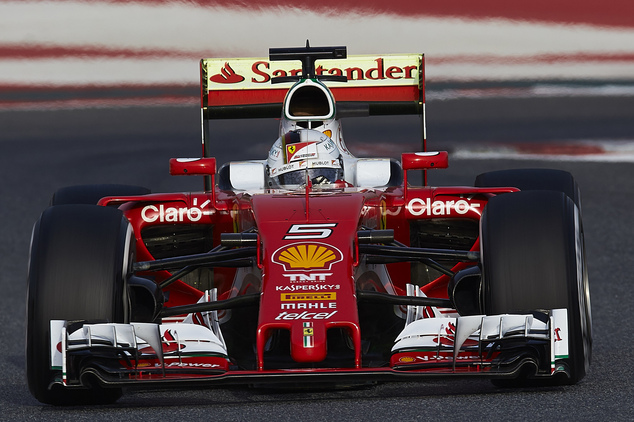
312, 265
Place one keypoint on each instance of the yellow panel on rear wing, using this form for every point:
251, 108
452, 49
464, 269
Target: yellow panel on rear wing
230, 84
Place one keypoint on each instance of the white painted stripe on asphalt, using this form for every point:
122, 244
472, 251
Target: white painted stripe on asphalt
609, 151
595, 150
536, 91
163, 99
114, 71
181, 25
100, 103
186, 27
604, 70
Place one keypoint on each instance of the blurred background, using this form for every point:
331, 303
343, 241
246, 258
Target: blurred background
107, 91
69, 54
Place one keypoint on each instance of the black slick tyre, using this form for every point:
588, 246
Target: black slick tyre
80, 258
91, 194
532, 179
533, 259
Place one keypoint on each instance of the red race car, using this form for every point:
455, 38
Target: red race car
312, 265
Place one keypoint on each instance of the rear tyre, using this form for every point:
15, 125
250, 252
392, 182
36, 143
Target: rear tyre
533, 258
91, 194
81, 257
532, 179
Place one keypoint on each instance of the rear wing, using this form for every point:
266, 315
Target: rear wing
234, 88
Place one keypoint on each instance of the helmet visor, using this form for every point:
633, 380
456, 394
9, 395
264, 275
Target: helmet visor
317, 176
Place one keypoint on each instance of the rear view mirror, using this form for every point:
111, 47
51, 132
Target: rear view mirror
425, 160
193, 166
247, 176
378, 172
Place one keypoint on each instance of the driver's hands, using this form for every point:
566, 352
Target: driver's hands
320, 180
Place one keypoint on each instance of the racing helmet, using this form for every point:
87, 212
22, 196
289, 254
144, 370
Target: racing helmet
303, 156
309, 104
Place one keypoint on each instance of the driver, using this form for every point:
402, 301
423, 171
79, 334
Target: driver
310, 148
304, 156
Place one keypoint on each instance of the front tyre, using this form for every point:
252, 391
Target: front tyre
80, 259
91, 194
533, 258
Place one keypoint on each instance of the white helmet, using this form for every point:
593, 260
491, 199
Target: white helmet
303, 156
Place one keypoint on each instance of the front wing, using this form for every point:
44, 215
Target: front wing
180, 353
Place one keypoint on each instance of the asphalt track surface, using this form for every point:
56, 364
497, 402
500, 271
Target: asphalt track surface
42, 151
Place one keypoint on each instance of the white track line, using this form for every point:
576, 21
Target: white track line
190, 30
595, 151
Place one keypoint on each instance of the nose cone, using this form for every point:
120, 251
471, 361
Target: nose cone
308, 342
